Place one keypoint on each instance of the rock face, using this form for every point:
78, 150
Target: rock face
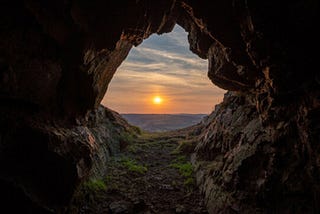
247, 166
258, 152
46, 159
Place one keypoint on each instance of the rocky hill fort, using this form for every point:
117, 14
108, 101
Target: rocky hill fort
258, 152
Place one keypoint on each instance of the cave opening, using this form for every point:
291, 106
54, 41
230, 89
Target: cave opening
162, 85
258, 151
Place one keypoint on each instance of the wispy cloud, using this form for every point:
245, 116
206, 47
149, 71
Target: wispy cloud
163, 65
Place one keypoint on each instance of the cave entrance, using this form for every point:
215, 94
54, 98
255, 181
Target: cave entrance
163, 82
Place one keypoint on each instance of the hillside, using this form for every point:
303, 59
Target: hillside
163, 122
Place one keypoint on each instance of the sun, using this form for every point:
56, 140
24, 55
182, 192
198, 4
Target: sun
157, 100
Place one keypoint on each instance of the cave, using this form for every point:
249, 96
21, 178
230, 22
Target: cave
257, 152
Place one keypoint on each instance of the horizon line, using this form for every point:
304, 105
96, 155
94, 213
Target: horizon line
165, 113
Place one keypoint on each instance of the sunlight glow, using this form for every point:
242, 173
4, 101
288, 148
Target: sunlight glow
162, 76
157, 100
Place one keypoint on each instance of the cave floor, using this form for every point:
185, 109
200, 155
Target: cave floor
149, 176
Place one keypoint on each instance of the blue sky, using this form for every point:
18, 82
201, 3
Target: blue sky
163, 66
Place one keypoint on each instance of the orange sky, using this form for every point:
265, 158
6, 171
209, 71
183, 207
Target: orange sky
163, 66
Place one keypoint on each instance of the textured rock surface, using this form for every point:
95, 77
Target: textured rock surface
46, 159
57, 59
259, 151
245, 166
61, 56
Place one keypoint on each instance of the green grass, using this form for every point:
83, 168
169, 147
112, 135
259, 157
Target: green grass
175, 152
95, 185
180, 159
138, 147
187, 146
127, 137
189, 181
184, 147
185, 169
136, 129
133, 166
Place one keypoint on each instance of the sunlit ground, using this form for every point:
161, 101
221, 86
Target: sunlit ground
163, 76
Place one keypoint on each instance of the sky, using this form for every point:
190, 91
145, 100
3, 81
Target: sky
164, 67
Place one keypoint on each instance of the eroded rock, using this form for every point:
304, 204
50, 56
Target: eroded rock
257, 151
247, 166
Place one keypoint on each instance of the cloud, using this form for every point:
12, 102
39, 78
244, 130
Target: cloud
171, 50
170, 56
189, 79
175, 41
163, 65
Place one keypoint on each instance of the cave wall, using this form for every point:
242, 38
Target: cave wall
43, 161
61, 55
247, 166
259, 150
57, 59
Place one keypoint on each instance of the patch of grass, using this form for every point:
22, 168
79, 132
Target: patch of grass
145, 135
108, 179
180, 159
187, 146
88, 193
133, 166
189, 181
125, 139
95, 185
141, 147
185, 169
175, 152
136, 129
184, 147
133, 148
128, 137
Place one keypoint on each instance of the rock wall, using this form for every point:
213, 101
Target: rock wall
247, 166
258, 152
57, 59
44, 160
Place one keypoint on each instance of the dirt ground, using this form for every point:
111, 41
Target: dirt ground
149, 176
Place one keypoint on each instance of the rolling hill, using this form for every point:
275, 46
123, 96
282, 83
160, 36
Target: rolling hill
163, 122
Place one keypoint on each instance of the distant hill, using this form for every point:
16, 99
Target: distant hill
163, 122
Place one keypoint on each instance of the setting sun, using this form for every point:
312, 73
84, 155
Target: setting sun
157, 100
162, 76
